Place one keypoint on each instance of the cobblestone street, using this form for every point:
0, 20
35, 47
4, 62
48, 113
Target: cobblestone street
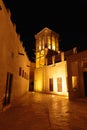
37, 111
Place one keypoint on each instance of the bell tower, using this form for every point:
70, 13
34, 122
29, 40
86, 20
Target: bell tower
47, 46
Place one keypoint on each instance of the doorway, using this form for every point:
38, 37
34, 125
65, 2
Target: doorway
51, 84
59, 84
8, 89
85, 82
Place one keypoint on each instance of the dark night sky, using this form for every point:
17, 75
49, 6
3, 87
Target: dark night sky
66, 17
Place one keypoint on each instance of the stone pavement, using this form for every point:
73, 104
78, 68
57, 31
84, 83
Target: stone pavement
37, 111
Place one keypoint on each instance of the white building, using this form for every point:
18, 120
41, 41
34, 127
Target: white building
62, 73
14, 62
51, 67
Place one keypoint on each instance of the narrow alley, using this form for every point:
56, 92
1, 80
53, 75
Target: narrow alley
37, 111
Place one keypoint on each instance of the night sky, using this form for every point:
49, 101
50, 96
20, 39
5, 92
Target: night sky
66, 17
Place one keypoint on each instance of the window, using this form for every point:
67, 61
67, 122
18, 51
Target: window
39, 43
20, 71
53, 43
43, 43
0, 7
51, 84
59, 84
49, 42
74, 82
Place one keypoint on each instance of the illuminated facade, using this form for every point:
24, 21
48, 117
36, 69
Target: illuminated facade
51, 66
14, 62
62, 73
77, 75
46, 42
